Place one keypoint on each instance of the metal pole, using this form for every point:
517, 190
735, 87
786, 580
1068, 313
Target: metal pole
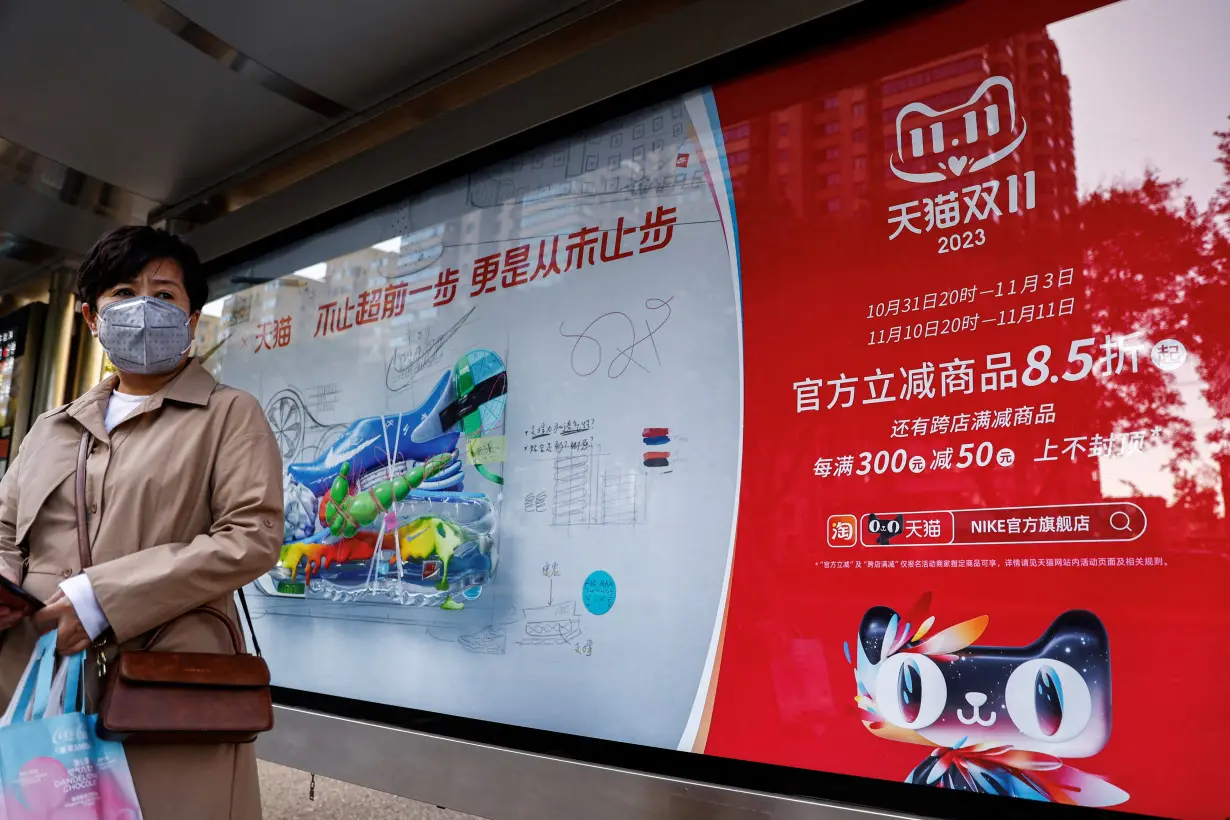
51, 378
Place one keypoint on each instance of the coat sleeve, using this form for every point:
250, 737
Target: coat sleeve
146, 589
11, 559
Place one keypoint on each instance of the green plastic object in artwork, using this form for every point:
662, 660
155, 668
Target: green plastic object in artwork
347, 514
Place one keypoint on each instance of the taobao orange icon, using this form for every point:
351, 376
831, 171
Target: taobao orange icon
843, 530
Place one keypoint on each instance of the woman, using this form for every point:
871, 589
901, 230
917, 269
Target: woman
184, 495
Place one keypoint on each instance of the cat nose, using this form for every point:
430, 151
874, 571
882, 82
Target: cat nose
975, 699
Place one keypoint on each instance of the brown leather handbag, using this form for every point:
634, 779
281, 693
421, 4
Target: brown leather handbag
179, 697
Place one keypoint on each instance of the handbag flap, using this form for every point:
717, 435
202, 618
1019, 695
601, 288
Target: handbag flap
205, 669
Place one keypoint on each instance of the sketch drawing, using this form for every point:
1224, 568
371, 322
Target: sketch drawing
571, 503
618, 502
551, 625
589, 494
299, 432
324, 397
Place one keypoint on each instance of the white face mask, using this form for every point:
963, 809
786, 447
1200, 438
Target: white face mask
144, 336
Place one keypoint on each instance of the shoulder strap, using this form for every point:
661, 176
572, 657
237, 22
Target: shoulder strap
247, 616
83, 524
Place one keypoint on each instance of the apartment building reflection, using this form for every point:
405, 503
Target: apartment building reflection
828, 156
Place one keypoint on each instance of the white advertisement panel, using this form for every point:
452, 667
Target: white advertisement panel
501, 500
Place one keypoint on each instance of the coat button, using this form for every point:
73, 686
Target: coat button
268, 522
94, 509
68, 573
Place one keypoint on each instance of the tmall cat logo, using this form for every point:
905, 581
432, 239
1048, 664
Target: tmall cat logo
977, 139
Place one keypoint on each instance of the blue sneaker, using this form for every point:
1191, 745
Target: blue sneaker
363, 445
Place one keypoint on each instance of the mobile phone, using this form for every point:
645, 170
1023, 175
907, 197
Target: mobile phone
14, 597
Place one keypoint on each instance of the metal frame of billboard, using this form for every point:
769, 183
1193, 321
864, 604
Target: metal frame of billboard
505, 772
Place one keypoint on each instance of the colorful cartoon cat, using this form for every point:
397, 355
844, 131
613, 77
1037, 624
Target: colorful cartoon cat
1000, 720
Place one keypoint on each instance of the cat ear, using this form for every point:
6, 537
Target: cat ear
917, 616
924, 628
954, 638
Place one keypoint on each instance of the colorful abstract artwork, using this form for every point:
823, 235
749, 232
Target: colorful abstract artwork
382, 513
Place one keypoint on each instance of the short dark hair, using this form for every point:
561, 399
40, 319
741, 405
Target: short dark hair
119, 255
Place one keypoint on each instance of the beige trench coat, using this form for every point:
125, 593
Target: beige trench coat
185, 502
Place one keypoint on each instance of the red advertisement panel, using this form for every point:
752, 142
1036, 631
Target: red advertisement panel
982, 539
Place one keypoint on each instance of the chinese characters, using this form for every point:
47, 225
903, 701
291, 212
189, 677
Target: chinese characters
588, 246
1113, 445
369, 307
568, 435
979, 420
1000, 372
972, 204
273, 335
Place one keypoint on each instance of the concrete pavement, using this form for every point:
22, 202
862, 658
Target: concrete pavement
284, 793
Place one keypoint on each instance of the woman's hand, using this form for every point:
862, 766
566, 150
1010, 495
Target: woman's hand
9, 617
59, 614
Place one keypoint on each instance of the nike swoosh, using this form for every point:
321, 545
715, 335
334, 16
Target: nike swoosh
340, 457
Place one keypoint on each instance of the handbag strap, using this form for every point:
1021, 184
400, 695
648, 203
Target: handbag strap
236, 639
83, 552
83, 524
247, 616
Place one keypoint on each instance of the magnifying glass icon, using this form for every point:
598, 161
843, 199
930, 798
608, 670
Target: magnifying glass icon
1121, 521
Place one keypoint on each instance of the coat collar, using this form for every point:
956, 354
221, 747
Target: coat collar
194, 385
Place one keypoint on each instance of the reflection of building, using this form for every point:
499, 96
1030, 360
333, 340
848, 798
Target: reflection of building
263, 303
622, 155
420, 250
347, 275
208, 334
634, 160
358, 271
828, 156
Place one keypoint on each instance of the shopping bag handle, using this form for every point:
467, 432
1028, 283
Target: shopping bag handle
15, 701
20, 703
74, 692
37, 685
61, 694
46, 672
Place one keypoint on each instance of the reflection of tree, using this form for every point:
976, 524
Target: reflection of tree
1142, 250
1158, 263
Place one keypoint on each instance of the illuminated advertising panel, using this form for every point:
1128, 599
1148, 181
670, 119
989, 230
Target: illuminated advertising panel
864, 415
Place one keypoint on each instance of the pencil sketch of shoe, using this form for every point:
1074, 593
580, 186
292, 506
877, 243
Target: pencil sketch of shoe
487, 641
551, 625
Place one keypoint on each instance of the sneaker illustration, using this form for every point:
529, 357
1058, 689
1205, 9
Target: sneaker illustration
364, 446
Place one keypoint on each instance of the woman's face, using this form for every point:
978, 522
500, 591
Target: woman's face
160, 279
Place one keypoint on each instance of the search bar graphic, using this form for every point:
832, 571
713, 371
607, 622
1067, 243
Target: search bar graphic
1097, 523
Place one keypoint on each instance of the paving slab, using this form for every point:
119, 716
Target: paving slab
284, 794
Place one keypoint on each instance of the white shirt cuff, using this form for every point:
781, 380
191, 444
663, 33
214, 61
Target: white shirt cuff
81, 593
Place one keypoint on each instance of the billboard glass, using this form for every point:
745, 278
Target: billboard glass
866, 414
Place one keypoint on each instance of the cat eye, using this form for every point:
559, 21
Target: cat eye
910, 690
1048, 700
